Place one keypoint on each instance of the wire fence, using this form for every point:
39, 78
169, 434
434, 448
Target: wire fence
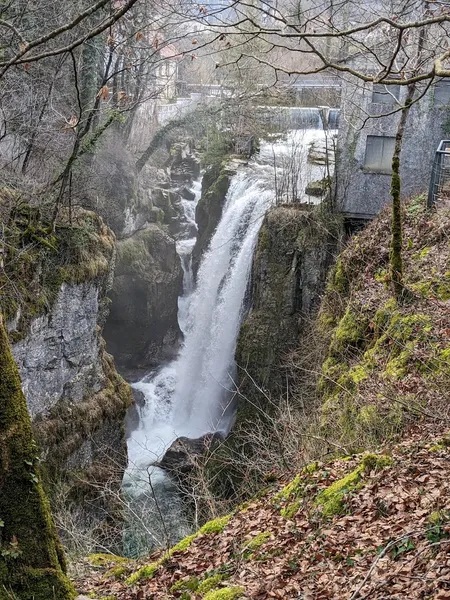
440, 175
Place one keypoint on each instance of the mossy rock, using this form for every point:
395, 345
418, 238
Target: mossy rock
215, 185
38, 261
32, 564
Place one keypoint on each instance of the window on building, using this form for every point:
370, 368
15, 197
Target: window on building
442, 92
379, 152
385, 94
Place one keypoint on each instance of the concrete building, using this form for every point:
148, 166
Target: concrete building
366, 145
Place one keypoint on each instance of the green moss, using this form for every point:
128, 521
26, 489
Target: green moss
369, 417
439, 516
183, 545
311, 468
351, 331
339, 281
292, 489
353, 377
229, 593
443, 291
375, 462
39, 262
101, 559
287, 512
383, 315
146, 572
290, 496
422, 254
116, 572
382, 276
216, 525
437, 367
408, 328
442, 444
257, 541
32, 563
186, 585
332, 371
325, 322
397, 367
331, 500
210, 583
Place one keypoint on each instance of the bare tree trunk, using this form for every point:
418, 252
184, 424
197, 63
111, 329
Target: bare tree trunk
396, 261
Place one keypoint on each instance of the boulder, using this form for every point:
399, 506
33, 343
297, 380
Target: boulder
181, 457
142, 328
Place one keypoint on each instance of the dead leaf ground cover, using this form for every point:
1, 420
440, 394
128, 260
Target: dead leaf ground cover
388, 362
391, 538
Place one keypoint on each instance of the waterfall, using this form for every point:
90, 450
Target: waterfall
215, 311
193, 395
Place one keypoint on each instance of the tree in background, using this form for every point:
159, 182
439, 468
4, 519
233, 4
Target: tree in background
70, 73
32, 563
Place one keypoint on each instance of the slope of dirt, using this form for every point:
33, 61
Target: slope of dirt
388, 362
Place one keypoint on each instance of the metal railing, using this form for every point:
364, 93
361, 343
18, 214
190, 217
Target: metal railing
440, 175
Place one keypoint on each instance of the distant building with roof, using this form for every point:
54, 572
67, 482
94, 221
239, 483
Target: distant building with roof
166, 75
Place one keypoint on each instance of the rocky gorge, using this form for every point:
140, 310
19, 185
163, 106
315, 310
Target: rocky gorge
109, 284
63, 293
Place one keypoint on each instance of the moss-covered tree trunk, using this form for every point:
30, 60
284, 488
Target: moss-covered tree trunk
396, 261
32, 563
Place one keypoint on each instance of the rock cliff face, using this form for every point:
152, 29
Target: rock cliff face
294, 251
59, 356
57, 286
142, 326
215, 184
142, 329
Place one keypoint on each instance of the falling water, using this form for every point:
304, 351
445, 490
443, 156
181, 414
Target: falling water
193, 395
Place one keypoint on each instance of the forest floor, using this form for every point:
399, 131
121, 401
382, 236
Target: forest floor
367, 526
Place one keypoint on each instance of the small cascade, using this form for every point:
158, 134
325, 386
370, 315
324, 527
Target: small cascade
299, 117
185, 246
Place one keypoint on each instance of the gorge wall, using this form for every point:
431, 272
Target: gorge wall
142, 329
142, 324
215, 185
296, 247
55, 304
275, 352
